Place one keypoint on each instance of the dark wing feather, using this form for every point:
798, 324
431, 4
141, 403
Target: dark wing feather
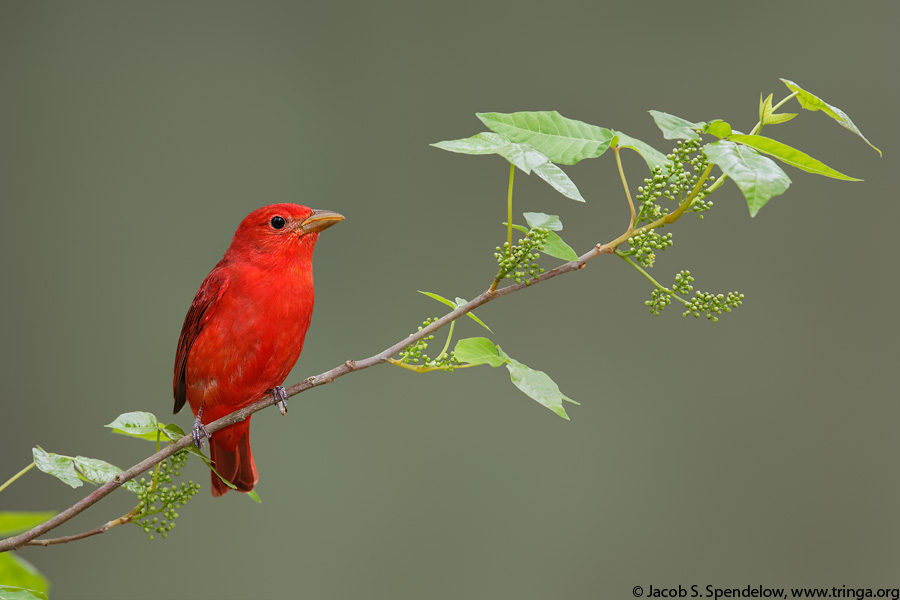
202, 308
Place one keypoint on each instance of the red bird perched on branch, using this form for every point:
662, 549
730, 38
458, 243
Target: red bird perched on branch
245, 329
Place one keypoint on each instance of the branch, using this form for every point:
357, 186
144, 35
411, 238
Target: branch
350, 366
329, 376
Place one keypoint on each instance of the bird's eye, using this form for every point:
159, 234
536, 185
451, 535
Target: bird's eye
277, 222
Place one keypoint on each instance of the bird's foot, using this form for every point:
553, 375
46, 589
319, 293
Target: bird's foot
280, 398
198, 432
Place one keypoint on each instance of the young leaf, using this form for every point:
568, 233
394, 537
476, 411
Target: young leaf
789, 155
758, 177
60, 467
564, 141
100, 472
455, 305
554, 246
253, 495
775, 119
135, 423
12, 523
542, 220
538, 386
767, 117
653, 157
15, 572
478, 351
675, 128
765, 107
718, 128
812, 102
8, 592
558, 180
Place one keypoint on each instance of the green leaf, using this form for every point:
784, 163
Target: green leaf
100, 472
173, 432
789, 155
758, 177
812, 102
653, 157
15, 571
765, 107
12, 523
675, 128
138, 424
516, 227
481, 143
558, 180
254, 496
538, 386
564, 141
779, 118
478, 351
542, 220
523, 156
60, 467
454, 306
16, 593
767, 117
718, 128
554, 246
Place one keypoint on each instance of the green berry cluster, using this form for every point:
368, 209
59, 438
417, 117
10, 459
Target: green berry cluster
516, 262
683, 283
413, 353
712, 304
653, 188
157, 498
659, 300
676, 182
643, 243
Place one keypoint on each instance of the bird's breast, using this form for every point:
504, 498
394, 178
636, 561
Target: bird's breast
252, 341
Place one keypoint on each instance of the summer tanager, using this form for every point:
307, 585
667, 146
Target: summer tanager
245, 329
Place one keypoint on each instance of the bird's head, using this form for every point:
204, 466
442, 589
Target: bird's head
280, 231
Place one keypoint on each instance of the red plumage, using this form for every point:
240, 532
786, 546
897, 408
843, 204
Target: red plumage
245, 328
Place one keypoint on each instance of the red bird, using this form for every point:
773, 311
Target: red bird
245, 329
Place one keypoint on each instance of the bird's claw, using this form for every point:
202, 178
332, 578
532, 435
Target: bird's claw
280, 398
198, 432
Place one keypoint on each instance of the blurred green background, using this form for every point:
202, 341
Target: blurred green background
761, 450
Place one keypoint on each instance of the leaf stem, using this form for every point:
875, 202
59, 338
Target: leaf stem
650, 278
16, 476
447, 344
512, 173
423, 368
627, 192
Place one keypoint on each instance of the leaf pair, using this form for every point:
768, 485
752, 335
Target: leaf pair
73, 471
537, 385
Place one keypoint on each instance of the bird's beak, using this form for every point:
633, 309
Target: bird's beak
320, 220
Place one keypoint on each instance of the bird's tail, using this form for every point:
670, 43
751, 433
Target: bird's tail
232, 458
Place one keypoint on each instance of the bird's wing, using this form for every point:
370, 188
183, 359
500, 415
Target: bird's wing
202, 309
